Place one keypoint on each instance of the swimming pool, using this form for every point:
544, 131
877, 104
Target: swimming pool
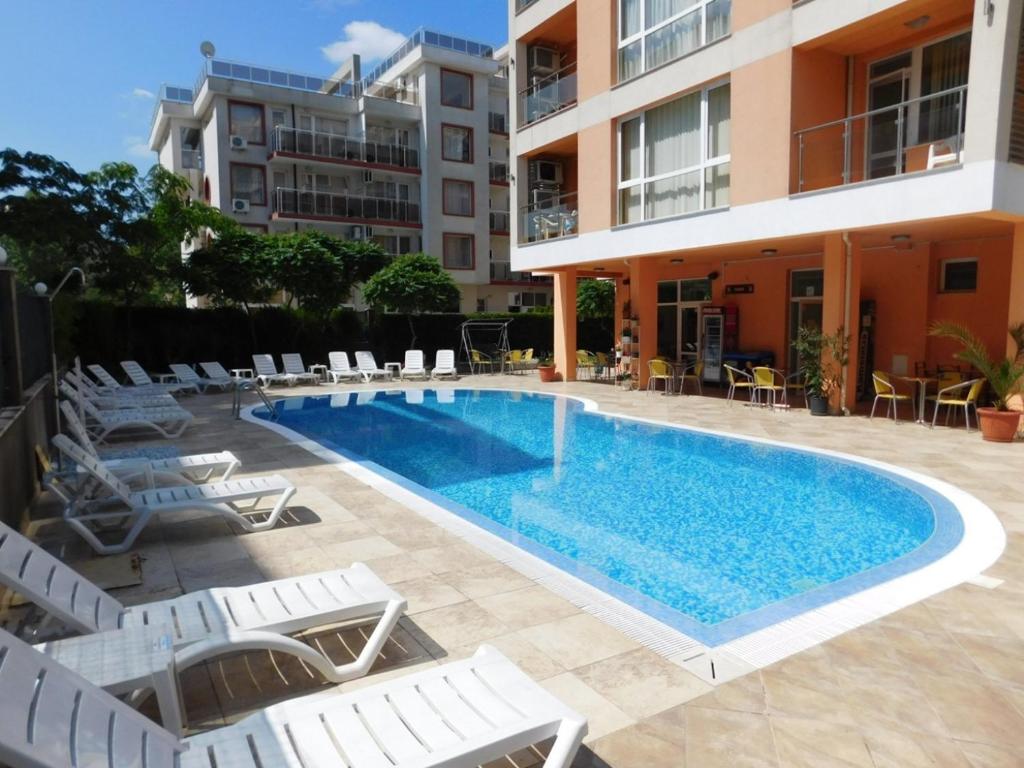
714, 535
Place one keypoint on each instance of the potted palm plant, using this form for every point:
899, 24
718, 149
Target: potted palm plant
1005, 377
822, 378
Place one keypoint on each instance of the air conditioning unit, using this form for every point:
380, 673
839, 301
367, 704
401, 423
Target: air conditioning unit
543, 61
240, 205
545, 172
238, 142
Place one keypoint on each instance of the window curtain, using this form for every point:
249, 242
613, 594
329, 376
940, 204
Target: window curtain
719, 14
944, 65
718, 121
631, 166
457, 198
674, 40
656, 11
673, 136
629, 18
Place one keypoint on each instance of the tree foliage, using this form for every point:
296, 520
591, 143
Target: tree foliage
1005, 375
412, 284
233, 269
595, 299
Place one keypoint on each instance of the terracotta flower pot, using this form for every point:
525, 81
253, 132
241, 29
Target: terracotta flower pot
998, 426
547, 373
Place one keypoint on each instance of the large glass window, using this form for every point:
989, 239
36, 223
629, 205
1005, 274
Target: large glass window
654, 32
246, 119
248, 182
457, 143
674, 159
456, 89
458, 251
457, 197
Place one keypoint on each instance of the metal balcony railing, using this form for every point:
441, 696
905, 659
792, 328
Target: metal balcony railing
919, 134
497, 122
301, 202
502, 271
500, 221
548, 95
551, 219
499, 172
331, 146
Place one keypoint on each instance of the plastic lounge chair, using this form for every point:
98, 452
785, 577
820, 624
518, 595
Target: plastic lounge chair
738, 380
140, 378
80, 386
168, 421
115, 387
293, 366
444, 364
222, 497
413, 368
367, 367
340, 369
186, 375
218, 372
267, 373
462, 713
885, 390
945, 397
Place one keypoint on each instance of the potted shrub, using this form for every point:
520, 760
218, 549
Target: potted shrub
1005, 377
822, 378
546, 370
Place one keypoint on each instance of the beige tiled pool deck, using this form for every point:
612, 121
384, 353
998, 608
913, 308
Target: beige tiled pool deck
938, 684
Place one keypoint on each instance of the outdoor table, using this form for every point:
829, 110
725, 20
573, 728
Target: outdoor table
126, 660
164, 378
242, 373
922, 383
320, 370
393, 369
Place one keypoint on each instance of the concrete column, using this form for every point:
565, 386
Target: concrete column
853, 273
643, 299
565, 323
10, 341
994, 40
1016, 306
833, 305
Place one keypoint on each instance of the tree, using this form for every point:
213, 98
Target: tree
319, 271
595, 299
234, 269
412, 284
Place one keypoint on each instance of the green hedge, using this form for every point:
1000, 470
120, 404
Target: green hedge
155, 336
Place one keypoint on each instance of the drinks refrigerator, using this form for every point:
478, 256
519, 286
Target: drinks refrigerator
720, 334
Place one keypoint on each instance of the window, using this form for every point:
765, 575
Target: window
458, 197
674, 159
458, 252
246, 119
456, 143
695, 290
456, 89
191, 148
248, 182
959, 276
655, 32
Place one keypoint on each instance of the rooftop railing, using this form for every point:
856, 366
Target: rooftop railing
550, 219
252, 73
328, 205
548, 95
331, 146
430, 38
918, 134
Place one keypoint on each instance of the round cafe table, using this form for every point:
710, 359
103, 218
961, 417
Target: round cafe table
922, 383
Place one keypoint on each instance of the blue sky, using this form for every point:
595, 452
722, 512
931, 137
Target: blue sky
79, 77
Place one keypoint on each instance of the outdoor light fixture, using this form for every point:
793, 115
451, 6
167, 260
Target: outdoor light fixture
677, 261
41, 289
917, 23
769, 251
900, 238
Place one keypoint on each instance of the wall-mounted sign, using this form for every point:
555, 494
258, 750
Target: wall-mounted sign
740, 288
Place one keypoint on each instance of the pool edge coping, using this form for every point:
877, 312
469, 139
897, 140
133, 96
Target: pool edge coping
981, 544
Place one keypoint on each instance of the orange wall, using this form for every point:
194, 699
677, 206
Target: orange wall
597, 177
596, 46
819, 96
747, 12
897, 281
760, 100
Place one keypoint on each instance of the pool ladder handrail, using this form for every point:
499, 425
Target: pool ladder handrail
250, 385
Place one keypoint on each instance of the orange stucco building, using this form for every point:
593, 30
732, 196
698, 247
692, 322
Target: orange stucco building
842, 164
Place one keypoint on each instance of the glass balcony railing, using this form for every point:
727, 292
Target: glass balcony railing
328, 205
497, 122
191, 158
500, 221
919, 134
551, 219
548, 95
331, 146
498, 172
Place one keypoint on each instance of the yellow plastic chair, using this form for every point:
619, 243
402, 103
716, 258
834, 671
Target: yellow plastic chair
529, 361
946, 397
585, 361
884, 390
480, 360
514, 360
738, 380
693, 372
659, 370
601, 366
797, 382
765, 381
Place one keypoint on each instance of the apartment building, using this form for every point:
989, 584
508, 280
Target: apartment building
741, 169
412, 155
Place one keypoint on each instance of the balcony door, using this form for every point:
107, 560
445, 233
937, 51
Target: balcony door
887, 124
806, 292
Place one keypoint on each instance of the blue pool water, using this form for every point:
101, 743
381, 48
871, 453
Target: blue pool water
716, 536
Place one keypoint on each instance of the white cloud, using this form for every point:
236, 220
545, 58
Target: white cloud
142, 93
367, 38
136, 146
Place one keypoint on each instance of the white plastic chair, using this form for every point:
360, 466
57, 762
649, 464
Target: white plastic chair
444, 364
413, 368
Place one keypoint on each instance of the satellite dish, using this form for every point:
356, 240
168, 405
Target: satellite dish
206, 48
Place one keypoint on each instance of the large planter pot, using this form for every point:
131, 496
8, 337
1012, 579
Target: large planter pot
817, 405
998, 426
547, 373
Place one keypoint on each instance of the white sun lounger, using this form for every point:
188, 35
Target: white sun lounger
459, 714
267, 373
340, 370
168, 421
74, 386
444, 364
212, 622
186, 375
367, 367
413, 368
218, 372
293, 366
112, 384
140, 378
221, 497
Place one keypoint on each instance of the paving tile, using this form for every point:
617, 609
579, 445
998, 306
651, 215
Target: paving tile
973, 709
896, 749
459, 624
744, 694
426, 593
485, 580
527, 607
998, 658
808, 743
578, 640
603, 716
344, 553
718, 738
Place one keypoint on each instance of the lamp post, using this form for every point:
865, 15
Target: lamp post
41, 291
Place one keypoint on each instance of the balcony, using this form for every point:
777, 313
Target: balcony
497, 123
345, 150
191, 158
550, 219
548, 95
915, 135
499, 173
500, 222
502, 272
307, 204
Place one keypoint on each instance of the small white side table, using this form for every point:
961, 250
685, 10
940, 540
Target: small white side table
242, 373
164, 378
126, 660
394, 370
320, 370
